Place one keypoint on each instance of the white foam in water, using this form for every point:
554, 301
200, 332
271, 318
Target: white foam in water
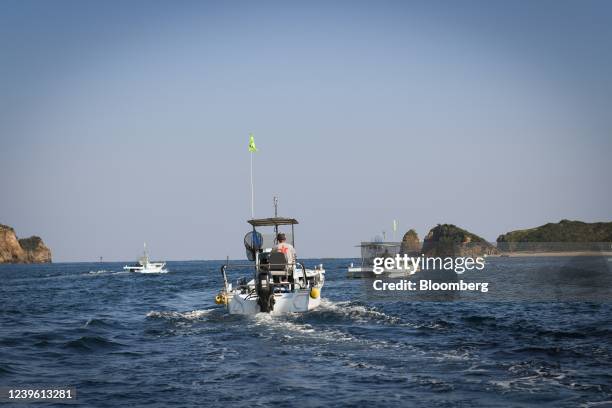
105, 272
281, 322
98, 272
358, 312
532, 383
454, 355
362, 314
193, 315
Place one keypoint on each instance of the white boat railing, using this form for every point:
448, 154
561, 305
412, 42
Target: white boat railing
262, 268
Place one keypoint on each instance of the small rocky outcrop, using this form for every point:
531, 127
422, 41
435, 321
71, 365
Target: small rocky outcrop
449, 240
35, 250
410, 244
26, 250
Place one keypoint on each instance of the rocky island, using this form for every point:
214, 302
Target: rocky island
25, 250
563, 236
410, 244
449, 240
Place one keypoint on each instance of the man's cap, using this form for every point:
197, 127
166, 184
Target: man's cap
281, 237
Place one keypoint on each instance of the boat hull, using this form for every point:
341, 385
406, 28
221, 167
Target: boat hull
159, 268
292, 302
150, 271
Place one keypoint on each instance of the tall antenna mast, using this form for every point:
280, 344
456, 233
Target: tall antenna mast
275, 214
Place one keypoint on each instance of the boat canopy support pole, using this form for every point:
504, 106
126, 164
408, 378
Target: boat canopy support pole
256, 273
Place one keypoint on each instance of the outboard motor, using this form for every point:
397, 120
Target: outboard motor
253, 242
265, 293
277, 267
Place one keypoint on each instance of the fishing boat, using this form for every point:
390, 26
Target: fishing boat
278, 284
372, 250
144, 265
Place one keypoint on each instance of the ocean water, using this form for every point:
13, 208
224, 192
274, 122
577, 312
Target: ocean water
541, 336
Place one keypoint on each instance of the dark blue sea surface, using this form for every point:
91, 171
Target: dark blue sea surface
125, 339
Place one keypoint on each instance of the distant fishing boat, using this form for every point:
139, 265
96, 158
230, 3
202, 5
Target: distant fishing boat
279, 285
145, 265
371, 250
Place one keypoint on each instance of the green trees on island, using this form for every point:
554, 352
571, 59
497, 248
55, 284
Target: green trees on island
563, 231
564, 235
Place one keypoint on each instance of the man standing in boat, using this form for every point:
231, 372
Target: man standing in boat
285, 248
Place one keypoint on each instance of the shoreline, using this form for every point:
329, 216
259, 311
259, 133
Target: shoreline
551, 254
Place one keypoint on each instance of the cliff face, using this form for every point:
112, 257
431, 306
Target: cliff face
410, 244
450, 240
10, 250
27, 250
35, 250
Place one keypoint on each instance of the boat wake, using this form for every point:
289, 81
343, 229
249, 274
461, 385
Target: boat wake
104, 272
352, 311
192, 315
291, 327
326, 323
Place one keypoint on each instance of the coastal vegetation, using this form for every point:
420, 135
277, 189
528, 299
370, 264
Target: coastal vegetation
450, 240
563, 231
564, 235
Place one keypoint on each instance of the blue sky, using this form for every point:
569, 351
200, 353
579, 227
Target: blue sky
124, 122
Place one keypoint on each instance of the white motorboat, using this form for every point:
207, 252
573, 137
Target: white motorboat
371, 250
278, 285
144, 265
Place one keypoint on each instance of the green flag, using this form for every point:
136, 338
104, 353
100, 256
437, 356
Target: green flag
252, 147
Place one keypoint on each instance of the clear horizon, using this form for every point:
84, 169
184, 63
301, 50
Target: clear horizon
123, 123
